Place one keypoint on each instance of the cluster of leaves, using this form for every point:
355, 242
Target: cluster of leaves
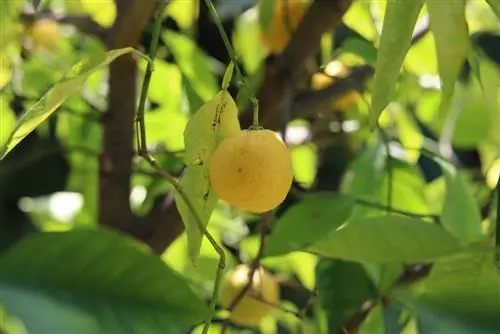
96, 280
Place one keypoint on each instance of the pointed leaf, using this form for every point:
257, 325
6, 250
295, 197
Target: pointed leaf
308, 221
451, 35
94, 277
399, 22
387, 239
460, 214
215, 120
495, 6
58, 94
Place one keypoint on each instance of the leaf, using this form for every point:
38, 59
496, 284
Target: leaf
94, 279
495, 6
266, 13
193, 63
343, 288
399, 21
460, 214
462, 291
57, 95
451, 35
307, 222
387, 239
215, 120
102, 11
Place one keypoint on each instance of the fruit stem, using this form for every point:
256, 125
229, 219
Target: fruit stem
143, 152
234, 59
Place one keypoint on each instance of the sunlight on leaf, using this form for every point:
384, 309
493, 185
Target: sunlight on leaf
102, 11
215, 120
193, 63
399, 22
495, 6
57, 95
387, 239
451, 34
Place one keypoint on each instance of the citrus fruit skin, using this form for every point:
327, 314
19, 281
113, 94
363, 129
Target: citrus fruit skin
252, 170
249, 311
45, 34
287, 15
335, 69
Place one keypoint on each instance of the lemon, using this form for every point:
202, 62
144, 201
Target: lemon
252, 170
45, 34
250, 310
322, 80
287, 15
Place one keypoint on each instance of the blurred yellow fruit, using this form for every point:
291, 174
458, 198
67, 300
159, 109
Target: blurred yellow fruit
335, 69
250, 310
493, 174
252, 170
45, 34
287, 15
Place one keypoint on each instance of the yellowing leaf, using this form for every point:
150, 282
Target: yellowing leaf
215, 120
57, 95
102, 11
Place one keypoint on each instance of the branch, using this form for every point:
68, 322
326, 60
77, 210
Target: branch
321, 16
118, 131
307, 103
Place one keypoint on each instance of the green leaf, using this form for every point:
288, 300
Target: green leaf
193, 63
343, 288
387, 239
308, 221
103, 12
215, 120
399, 22
57, 95
495, 6
460, 214
97, 280
266, 13
451, 34
464, 288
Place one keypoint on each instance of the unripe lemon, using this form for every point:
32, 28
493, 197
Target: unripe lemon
250, 310
252, 170
287, 15
45, 34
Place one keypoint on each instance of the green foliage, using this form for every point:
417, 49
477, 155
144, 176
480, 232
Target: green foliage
90, 280
215, 120
307, 221
400, 18
57, 95
399, 239
452, 43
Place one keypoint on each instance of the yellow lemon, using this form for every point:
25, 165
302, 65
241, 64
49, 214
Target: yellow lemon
250, 310
45, 34
252, 170
322, 80
287, 15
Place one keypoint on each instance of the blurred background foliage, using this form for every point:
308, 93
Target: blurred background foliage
50, 181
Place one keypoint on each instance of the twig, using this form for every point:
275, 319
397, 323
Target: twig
142, 147
353, 323
255, 264
234, 59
